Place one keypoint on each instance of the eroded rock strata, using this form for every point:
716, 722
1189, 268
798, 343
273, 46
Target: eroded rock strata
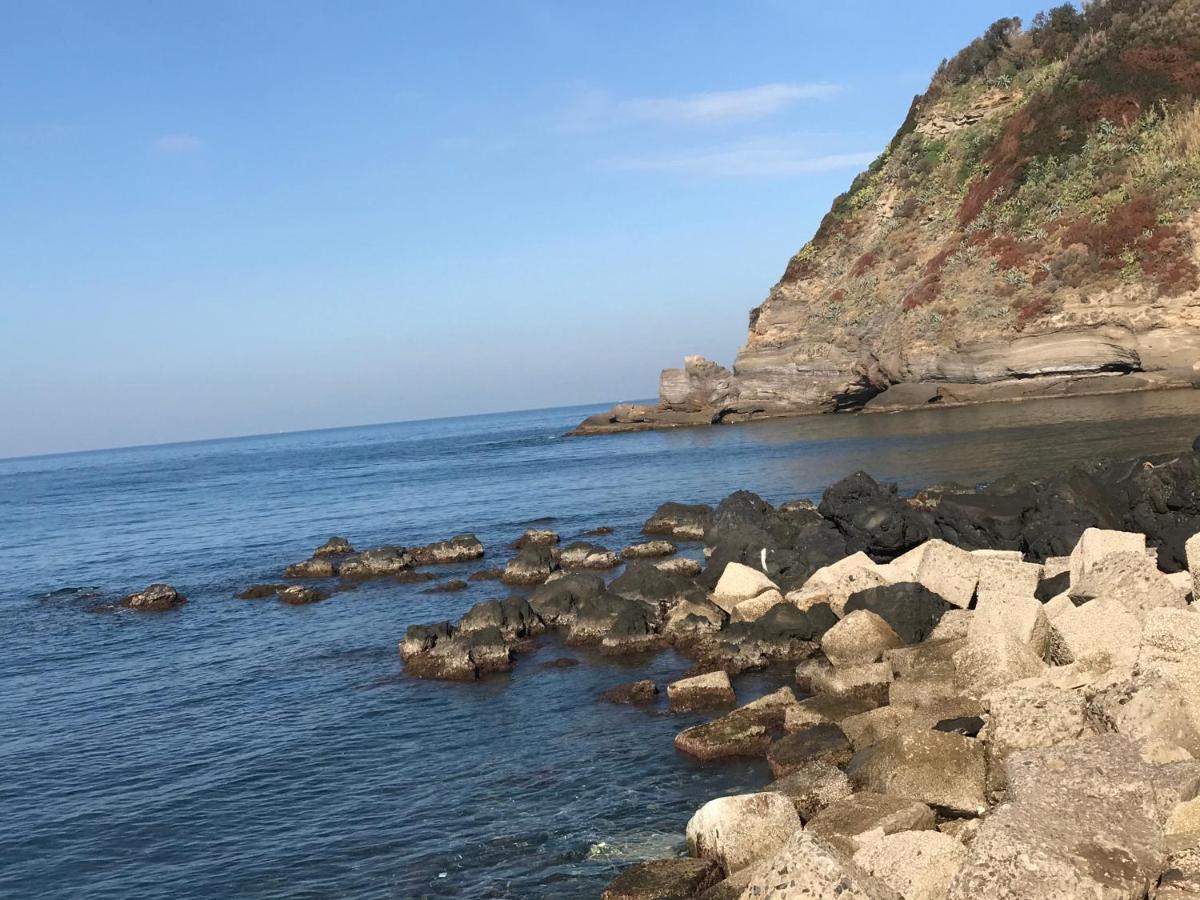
1030, 231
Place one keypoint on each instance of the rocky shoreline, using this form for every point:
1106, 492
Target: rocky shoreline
995, 689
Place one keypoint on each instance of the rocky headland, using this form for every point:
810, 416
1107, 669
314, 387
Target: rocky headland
1030, 231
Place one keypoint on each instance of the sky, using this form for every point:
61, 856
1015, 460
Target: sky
226, 217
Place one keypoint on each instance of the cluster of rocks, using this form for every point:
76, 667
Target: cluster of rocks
970, 724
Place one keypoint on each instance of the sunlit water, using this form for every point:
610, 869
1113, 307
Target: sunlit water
249, 749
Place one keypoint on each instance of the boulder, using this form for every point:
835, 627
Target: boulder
1081, 823
824, 708
993, 660
447, 587
808, 866
1192, 551
558, 602
492, 574
912, 610
1156, 713
513, 617
948, 571
536, 537
646, 582
836, 583
648, 550
737, 831
155, 598
664, 879
681, 567
335, 546
871, 681
1131, 578
1001, 578
438, 651
953, 625
1170, 650
812, 786
301, 595
993, 518
857, 820
1096, 543
1019, 616
861, 637
684, 521
938, 768
733, 735
460, 548
740, 583
755, 609
917, 865
585, 555
1101, 630
873, 517
634, 693
701, 692
375, 562
317, 567
532, 565
1053, 586
412, 576
822, 743
1025, 715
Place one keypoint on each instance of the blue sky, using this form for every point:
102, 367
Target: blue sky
222, 218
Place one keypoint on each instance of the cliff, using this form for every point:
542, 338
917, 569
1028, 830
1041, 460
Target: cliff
1031, 230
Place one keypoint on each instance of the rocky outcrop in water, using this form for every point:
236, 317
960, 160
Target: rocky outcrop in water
156, 598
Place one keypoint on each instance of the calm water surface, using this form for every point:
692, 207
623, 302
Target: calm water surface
248, 749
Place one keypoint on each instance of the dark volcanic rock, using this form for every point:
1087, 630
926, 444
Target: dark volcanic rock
684, 521
664, 879
335, 546
586, 555
646, 582
620, 624
968, 726
513, 617
487, 575
447, 587
1066, 505
261, 591
824, 743
600, 531
873, 517
1049, 588
636, 692
460, 548
1165, 506
438, 651
413, 577
317, 567
991, 520
911, 609
375, 562
301, 595
156, 598
536, 537
782, 634
532, 565
563, 662
557, 602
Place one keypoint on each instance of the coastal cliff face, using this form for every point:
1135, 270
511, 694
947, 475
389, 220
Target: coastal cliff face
1031, 230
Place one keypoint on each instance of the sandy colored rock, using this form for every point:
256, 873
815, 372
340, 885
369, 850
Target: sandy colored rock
834, 584
822, 743
1022, 716
948, 571
871, 681
682, 566
938, 768
952, 625
859, 638
712, 689
1004, 577
1192, 550
736, 831
1057, 605
648, 550
1156, 713
854, 822
1097, 543
1020, 616
1132, 579
1100, 629
755, 608
739, 583
917, 865
812, 786
824, 708
992, 661
808, 866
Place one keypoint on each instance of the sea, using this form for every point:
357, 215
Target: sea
235, 748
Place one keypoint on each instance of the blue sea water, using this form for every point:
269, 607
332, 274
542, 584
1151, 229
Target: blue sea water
249, 749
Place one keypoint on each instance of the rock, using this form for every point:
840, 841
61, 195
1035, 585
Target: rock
646, 582
318, 567
737, 831
155, 598
681, 567
967, 726
563, 662
335, 546
872, 517
1155, 713
938, 768
993, 518
690, 621
1183, 826
261, 591
447, 587
822, 743
557, 602
487, 575
299, 595
649, 549
1056, 606
701, 692
536, 537
1192, 551
1170, 650
812, 786
1081, 823
532, 565
836, 583
733, 735
684, 521
854, 822
911, 609
600, 531
1025, 715
871, 681
740, 583
993, 660
1001, 579
1052, 586
962, 830
917, 865
635, 693
948, 572
460, 548
953, 625
410, 576
1096, 543
663, 879
513, 617
375, 562
583, 555
1132, 579
824, 708
807, 866
438, 651
860, 637
1019, 616
1101, 631
755, 609
617, 623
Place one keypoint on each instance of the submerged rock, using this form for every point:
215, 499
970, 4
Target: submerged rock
261, 591
664, 879
447, 587
634, 693
335, 546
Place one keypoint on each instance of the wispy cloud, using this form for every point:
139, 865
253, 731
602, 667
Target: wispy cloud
759, 157
598, 109
177, 144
